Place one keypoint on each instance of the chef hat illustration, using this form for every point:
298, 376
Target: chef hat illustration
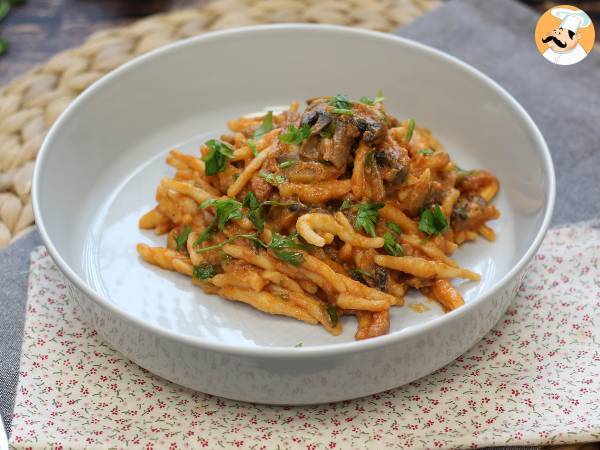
571, 19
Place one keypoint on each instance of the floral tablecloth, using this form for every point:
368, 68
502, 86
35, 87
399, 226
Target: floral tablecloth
534, 379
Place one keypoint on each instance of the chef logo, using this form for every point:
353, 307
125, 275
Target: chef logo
564, 35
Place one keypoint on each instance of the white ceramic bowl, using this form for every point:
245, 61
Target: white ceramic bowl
99, 167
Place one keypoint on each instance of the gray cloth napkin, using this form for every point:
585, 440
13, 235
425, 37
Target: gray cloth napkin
495, 37
14, 270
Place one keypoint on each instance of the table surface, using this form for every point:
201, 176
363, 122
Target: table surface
37, 29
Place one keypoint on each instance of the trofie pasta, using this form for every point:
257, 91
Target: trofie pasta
332, 211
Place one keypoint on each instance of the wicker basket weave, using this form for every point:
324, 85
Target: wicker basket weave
31, 103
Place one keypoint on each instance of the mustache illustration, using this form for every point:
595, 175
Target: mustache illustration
556, 41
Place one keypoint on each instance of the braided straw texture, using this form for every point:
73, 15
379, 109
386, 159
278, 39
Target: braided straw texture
32, 102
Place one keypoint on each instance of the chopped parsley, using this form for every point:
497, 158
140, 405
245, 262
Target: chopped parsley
340, 101
367, 216
295, 135
347, 112
215, 159
394, 227
346, 204
333, 315
287, 163
226, 210
359, 273
206, 233
252, 146
272, 178
426, 152
379, 98
265, 126
390, 245
410, 129
341, 104
280, 246
182, 238
433, 221
253, 237
461, 173
298, 345
255, 213
278, 203
204, 271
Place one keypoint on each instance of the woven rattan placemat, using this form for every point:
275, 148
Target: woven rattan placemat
31, 103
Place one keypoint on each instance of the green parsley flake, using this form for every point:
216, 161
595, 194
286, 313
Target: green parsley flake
367, 216
346, 204
252, 237
433, 221
358, 273
333, 315
182, 238
287, 163
390, 245
252, 146
215, 159
204, 271
272, 178
410, 129
426, 152
394, 227
340, 101
280, 245
461, 173
295, 135
379, 98
255, 212
265, 127
347, 112
226, 210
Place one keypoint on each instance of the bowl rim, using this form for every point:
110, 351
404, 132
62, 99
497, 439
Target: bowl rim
295, 352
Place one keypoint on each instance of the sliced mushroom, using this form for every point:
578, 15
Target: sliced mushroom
393, 162
343, 140
311, 171
316, 116
471, 212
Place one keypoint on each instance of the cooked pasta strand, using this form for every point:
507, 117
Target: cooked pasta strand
267, 302
423, 268
447, 295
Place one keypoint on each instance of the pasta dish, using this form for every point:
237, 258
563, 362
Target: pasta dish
335, 210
